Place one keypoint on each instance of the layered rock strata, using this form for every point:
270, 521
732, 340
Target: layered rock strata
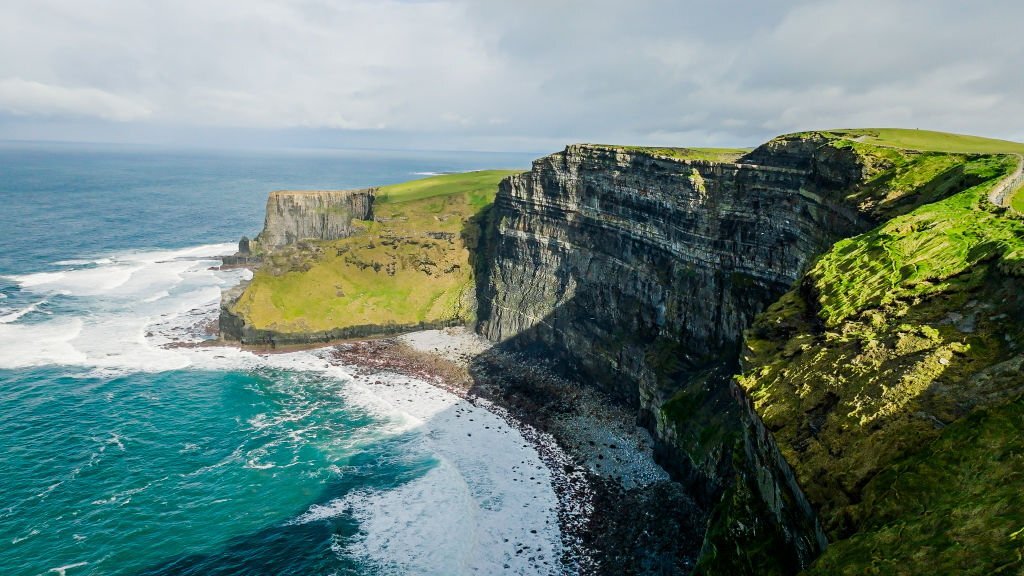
294, 215
640, 273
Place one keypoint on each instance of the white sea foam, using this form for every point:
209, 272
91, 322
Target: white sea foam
118, 302
11, 317
24, 345
486, 507
63, 570
83, 261
489, 488
19, 539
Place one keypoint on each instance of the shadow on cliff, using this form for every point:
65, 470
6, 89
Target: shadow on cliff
658, 528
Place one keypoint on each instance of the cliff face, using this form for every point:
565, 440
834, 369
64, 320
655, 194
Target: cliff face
600, 253
641, 273
313, 215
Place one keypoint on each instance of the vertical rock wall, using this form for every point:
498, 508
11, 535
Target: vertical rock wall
597, 254
640, 273
313, 214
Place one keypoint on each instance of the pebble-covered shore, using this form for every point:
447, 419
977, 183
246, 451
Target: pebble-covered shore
618, 510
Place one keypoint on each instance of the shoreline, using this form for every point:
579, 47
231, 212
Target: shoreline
618, 511
447, 370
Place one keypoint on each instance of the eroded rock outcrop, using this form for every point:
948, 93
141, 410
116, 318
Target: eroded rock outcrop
294, 215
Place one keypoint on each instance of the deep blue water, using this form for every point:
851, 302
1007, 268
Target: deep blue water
119, 456
65, 201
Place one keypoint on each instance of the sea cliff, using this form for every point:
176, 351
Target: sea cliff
294, 215
640, 270
363, 263
800, 327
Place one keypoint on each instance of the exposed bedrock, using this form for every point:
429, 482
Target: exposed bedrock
640, 273
313, 214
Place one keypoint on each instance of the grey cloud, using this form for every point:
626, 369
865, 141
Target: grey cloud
529, 74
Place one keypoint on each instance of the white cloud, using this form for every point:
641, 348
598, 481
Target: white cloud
27, 98
512, 73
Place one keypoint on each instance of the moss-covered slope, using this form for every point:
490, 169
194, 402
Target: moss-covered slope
410, 266
891, 376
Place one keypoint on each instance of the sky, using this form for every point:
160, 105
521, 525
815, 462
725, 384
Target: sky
522, 75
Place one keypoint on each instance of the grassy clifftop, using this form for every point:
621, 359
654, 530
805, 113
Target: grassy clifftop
706, 154
1017, 200
409, 266
930, 141
891, 377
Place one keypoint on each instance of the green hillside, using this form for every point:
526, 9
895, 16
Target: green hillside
930, 141
891, 376
411, 265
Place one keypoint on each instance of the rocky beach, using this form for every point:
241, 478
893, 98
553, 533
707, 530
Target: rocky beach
618, 511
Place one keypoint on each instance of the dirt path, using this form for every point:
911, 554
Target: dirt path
1001, 194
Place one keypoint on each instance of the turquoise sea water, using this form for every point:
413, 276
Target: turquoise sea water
120, 455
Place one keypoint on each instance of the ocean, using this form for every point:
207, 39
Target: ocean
120, 454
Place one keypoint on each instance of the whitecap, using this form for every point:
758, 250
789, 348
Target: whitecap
26, 345
18, 539
115, 439
62, 570
332, 509
254, 464
120, 327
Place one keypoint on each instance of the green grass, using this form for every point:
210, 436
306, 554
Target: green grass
927, 140
411, 265
1017, 200
955, 508
705, 154
478, 184
919, 253
890, 376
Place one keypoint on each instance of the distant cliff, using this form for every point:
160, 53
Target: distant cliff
294, 215
327, 273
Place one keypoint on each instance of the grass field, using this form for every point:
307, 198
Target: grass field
929, 141
1017, 200
707, 154
480, 185
411, 265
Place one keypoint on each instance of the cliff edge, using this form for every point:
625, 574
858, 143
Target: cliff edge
640, 270
824, 335
294, 215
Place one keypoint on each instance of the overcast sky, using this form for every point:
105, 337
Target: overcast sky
514, 75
